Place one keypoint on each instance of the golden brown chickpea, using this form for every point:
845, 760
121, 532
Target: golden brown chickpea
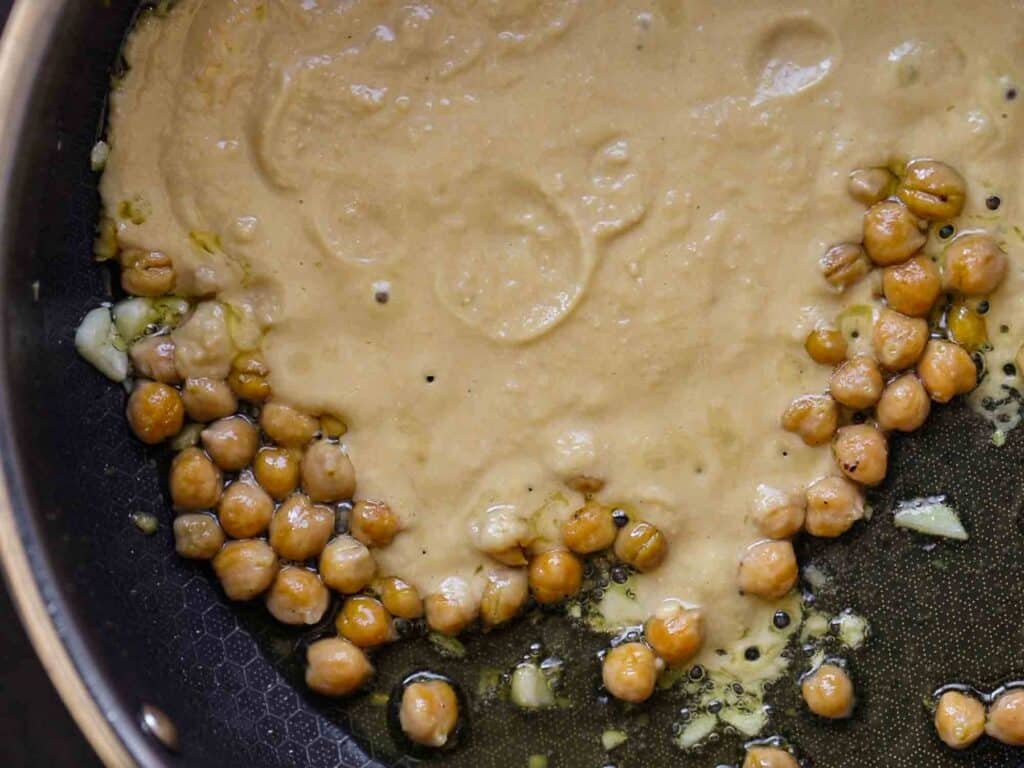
197, 536
364, 621
373, 523
300, 529
452, 608
590, 529
1006, 718
287, 426
932, 190
346, 565
245, 510
974, 265
429, 712
769, 757
629, 672
904, 405
826, 346
297, 596
899, 340
248, 377
891, 233
277, 470
153, 358
966, 327
862, 453
844, 264
675, 633
195, 481
146, 273
231, 442
401, 599
640, 545
946, 370
155, 412
834, 504
555, 575
768, 569
813, 417
828, 692
246, 568
959, 719
327, 472
500, 532
335, 667
504, 595
778, 514
870, 185
912, 288
857, 383
208, 399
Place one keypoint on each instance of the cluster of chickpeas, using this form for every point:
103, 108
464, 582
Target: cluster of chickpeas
962, 716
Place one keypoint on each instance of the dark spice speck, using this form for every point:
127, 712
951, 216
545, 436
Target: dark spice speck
1010, 369
946, 231
992, 202
753, 653
619, 517
983, 307
1011, 94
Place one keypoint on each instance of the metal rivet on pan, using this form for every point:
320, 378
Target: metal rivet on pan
160, 725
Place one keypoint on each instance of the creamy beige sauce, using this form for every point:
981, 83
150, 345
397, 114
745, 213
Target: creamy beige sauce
597, 225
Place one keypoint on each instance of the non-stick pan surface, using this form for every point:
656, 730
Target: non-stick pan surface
143, 626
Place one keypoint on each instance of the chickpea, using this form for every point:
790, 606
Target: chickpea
155, 412
197, 536
946, 370
332, 426
899, 340
932, 190
870, 185
208, 399
287, 426
364, 621
590, 529
912, 287
327, 472
675, 633
401, 599
966, 327
153, 358
146, 273
641, 545
451, 609
828, 692
504, 595
778, 514
373, 523
299, 529
959, 719
346, 565
1006, 718
231, 442
629, 672
429, 712
335, 667
500, 532
195, 481
555, 575
862, 453
248, 377
769, 757
768, 569
834, 504
891, 233
245, 510
826, 346
974, 265
246, 568
904, 405
857, 383
297, 596
277, 470
813, 417
844, 264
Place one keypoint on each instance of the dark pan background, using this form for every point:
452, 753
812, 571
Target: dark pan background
160, 631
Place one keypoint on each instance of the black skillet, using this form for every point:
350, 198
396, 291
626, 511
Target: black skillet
124, 623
